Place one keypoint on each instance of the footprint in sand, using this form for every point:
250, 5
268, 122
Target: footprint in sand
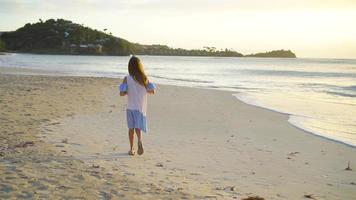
5, 188
159, 165
25, 195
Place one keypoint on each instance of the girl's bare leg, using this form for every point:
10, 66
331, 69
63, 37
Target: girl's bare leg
139, 144
131, 138
138, 133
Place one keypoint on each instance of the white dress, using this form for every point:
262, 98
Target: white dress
136, 105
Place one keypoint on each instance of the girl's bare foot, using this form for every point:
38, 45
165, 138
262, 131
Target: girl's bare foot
132, 152
140, 148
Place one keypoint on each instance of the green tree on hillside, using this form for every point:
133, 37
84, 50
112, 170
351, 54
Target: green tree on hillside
64, 36
2, 45
275, 54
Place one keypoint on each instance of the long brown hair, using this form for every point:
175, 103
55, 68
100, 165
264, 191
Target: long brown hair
136, 71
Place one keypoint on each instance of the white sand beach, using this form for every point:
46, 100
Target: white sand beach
201, 144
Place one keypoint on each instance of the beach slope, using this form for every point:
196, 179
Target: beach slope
67, 137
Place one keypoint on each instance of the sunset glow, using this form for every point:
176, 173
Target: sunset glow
310, 28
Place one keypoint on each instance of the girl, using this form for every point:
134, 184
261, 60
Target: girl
136, 86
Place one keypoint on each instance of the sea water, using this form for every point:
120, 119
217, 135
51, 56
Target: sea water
319, 95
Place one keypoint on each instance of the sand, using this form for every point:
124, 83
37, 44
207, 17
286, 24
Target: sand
66, 137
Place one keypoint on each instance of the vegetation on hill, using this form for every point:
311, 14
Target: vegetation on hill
61, 36
165, 50
275, 54
65, 37
2, 45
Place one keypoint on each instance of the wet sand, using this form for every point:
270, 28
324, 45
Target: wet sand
66, 137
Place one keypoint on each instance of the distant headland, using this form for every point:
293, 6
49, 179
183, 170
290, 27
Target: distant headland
65, 37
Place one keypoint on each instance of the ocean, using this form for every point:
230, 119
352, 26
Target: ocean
319, 95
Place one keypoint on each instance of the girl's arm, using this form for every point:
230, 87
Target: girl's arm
123, 92
150, 88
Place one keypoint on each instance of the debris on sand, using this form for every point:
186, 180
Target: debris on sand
348, 168
309, 196
25, 144
228, 188
65, 140
293, 153
159, 165
95, 166
253, 198
232, 188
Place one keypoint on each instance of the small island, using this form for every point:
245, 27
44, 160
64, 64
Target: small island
274, 54
65, 37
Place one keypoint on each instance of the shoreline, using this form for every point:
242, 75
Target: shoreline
40, 72
305, 129
312, 58
296, 125
214, 150
68, 53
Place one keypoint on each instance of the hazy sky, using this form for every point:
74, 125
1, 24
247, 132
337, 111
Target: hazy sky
311, 28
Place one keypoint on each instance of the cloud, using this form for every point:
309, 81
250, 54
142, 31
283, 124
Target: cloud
245, 25
169, 6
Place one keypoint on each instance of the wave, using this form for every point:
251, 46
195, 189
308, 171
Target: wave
297, 121
318, 85
182, 79
297, 78
352, 88
297, 73
333, 89
341, 94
